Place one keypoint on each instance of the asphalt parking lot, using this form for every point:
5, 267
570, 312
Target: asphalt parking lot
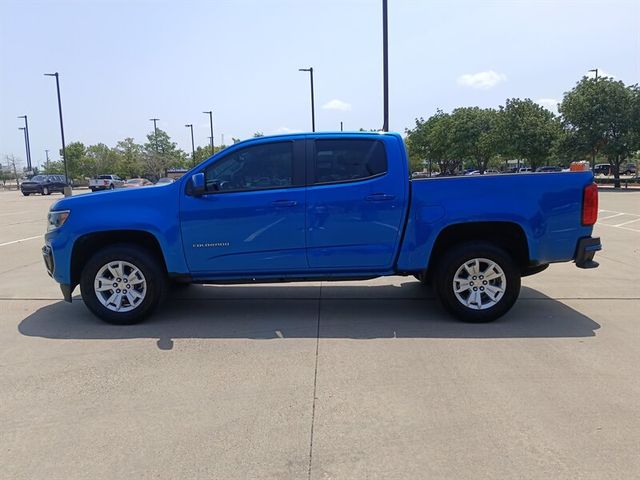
323, 380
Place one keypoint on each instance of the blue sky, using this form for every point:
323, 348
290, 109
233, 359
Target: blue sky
123, 62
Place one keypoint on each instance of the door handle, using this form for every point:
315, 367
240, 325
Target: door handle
379, 197
284, 203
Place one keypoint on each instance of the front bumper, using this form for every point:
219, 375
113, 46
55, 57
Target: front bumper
586, 250
47, 256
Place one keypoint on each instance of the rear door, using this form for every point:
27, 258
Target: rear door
356, 201
251, 220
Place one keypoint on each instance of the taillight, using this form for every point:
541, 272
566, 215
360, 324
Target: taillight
590, 204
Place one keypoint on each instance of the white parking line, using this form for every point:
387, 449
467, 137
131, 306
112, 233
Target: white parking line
626, 223
611, 216
21, 240
619, 213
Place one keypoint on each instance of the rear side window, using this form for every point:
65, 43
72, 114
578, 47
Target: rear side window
348, 160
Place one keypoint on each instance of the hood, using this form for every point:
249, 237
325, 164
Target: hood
121, 198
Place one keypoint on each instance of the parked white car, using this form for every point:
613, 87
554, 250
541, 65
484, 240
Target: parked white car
105, 182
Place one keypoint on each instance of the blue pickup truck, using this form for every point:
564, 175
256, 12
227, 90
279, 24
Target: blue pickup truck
320, 206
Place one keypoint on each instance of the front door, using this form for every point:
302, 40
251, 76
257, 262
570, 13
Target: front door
251, 219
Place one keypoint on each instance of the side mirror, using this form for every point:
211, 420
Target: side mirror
197, 184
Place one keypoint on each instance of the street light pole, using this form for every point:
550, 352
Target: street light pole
313, 106
193, 148
210, 113
26, 130
385, 67
46, 152
341, 126
64, 148
26, 145
593, 153
155, 131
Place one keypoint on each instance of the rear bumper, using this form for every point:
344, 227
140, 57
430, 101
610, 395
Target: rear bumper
586, 250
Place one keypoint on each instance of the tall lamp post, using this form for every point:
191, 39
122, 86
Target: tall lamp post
313, 107
385, 67
67, 190
155, 131
210, 113
26, 147
593, 154
26, 132
46, 152
193, 148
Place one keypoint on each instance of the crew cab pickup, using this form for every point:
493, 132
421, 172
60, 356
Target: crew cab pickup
320, 206
105, 182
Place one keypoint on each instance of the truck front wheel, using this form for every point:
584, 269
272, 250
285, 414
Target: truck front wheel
122, 284
477, 282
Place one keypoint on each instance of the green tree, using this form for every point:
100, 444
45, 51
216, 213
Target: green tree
431, 139
474, 135
160, 154
130, 156
603, 116
99, 159
75, 153
527, 130
202, 153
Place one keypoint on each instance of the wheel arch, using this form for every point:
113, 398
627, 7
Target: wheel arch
509, 236
85, 246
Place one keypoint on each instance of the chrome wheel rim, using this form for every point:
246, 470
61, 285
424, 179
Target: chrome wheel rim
120, 286
479, 283
45, 191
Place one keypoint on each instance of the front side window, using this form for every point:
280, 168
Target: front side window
268, 165
348, 160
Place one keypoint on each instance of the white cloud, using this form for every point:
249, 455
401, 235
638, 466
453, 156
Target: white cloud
336, 104
550, 104
285, 130
481, 80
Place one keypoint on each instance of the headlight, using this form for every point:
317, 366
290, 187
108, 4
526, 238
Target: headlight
57, 219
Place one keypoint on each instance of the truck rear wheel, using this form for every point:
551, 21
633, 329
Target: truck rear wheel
122, 284
477, 282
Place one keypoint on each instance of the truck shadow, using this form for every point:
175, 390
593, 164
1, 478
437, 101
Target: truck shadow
404, 310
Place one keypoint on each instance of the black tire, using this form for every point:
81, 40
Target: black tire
26, 194
154, 274
92, 189
454, 259
112, 187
